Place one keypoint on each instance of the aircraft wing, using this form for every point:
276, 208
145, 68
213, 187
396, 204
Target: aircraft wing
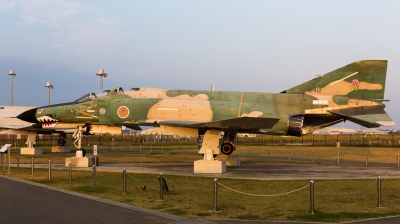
180, 127
234, 123
368, 116
23, 127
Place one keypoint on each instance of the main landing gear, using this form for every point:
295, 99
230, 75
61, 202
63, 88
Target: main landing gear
227, 147
210, 141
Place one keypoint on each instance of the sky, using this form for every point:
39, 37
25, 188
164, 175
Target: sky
252, 46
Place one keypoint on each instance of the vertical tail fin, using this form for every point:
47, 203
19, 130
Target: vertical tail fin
360, 80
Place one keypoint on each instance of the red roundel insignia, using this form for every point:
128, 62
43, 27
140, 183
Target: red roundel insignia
123, 112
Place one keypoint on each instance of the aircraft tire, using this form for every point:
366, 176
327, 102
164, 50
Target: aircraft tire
227, 148
61, 142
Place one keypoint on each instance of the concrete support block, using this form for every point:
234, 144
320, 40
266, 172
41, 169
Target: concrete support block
214, 166
60, 149
31, 151
77, 162
81, 161
231, 160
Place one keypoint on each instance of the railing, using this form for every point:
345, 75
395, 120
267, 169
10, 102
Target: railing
356, 140
210, 185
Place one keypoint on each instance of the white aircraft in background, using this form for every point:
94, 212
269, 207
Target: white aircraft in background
9, 124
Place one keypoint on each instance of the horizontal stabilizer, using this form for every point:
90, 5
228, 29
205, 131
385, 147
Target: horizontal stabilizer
369, 116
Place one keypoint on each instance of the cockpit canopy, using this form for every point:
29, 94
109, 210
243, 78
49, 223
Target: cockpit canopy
116, 91
103, 93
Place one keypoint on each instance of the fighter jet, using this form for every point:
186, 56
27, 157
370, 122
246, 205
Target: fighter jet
354, 92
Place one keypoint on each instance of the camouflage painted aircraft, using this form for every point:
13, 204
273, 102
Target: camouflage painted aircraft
354, 92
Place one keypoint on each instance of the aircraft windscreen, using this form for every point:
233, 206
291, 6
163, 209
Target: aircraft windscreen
102, 93
92, 95
122, 90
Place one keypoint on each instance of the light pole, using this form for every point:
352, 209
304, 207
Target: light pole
49, 85
11, 74
101, 74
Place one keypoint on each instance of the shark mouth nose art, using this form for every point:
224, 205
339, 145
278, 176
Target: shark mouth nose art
47, 121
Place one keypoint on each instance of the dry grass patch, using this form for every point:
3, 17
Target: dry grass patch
192, 197
306, 153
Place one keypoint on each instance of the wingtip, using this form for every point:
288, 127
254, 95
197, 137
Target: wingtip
386, 123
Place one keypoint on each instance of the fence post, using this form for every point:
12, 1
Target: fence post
398, 161
249, 151
70, 173
313, 139
312, 156
9, 160
94, 176
366, 159
289, 154
268, 154
124, 181
33, 166
49, 168
161, 186
17, 164
311, 197
379, 192
215, 194
2, 162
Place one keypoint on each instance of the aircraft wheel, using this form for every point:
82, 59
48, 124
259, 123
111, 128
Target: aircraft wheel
61, 142
227, 148
83, 152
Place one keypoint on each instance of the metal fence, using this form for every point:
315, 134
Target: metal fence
308, 140
324, 140
162, 181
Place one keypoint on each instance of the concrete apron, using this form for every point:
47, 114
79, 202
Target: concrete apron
260, 171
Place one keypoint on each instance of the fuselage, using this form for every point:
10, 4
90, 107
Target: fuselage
150, 106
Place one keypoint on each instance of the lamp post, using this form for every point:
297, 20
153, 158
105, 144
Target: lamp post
48, 85
11, 74
101, 74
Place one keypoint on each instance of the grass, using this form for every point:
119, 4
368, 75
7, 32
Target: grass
347, 154
192, 197
188, 154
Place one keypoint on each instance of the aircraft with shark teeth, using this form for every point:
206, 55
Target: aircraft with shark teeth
354, 92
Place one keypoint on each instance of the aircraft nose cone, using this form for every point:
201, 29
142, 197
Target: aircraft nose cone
28, 116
